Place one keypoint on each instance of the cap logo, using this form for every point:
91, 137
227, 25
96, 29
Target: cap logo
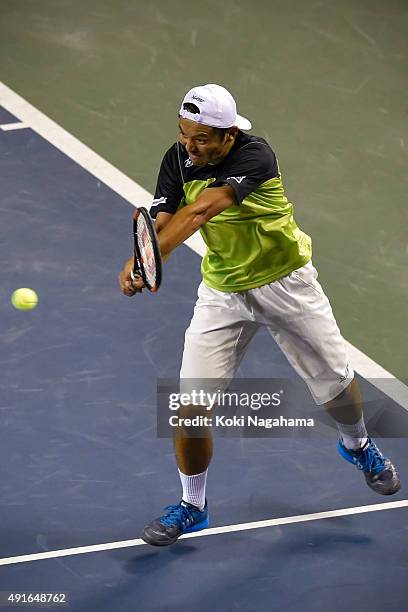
197, 98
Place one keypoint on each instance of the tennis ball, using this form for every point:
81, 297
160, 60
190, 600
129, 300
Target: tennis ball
24, 299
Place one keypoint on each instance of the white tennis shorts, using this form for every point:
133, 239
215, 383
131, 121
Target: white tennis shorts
299, 318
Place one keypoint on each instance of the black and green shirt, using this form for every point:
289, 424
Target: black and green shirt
254, 241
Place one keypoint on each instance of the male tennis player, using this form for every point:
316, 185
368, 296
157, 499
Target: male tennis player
257, 271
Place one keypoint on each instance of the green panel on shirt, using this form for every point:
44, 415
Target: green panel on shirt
254, 243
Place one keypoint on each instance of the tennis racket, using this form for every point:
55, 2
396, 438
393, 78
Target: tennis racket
147, 258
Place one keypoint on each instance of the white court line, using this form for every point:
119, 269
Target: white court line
6, 127
287, 520
136, 195
83, 155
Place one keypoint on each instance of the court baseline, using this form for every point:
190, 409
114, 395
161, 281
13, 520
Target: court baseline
287, 520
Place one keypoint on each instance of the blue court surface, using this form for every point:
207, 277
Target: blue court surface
81, 462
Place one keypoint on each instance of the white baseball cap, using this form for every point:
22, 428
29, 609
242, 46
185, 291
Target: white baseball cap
216, 105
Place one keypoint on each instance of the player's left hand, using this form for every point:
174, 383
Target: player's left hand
128, 286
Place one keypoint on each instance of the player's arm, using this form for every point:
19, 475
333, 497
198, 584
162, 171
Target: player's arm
162, 219
190, 218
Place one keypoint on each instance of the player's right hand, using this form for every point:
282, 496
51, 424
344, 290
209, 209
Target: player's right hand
128, 286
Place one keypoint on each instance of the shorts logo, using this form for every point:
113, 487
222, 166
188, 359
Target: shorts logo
346, 375
239, 179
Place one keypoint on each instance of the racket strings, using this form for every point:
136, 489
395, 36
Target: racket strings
146, 251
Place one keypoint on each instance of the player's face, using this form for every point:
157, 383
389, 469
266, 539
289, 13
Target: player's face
202, 143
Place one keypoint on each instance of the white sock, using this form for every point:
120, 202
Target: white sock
194, 488
354, 436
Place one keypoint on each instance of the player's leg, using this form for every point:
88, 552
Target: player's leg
357, 447
305, 329
193, 446
347, 410
215, 343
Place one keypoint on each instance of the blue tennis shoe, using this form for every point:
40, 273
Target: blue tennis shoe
380, 474
178, 519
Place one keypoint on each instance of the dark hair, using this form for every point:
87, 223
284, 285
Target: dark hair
192, 108
220, 132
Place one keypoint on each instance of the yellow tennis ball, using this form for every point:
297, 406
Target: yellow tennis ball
24, 299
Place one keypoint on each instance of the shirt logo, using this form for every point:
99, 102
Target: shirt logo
239, 179
188, 163
158, 201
